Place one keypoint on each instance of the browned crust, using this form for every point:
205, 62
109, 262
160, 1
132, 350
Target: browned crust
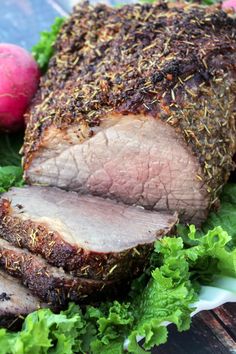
175, 64
55, 289
79, 262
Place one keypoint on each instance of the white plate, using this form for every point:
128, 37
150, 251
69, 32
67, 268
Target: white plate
222, 290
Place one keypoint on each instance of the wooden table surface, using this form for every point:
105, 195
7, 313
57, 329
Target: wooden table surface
211, 331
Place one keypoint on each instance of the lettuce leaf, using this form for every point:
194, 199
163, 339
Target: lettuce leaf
45, 332
226, 216
10, 161
10, 176
168, 297
174, 285
44, 50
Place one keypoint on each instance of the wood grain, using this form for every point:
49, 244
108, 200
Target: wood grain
226, 316
210, 332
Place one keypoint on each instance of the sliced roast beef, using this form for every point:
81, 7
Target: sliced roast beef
51, 284
89, 236
138, 105
15, 301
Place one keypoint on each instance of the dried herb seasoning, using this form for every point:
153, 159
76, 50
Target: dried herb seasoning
173, 63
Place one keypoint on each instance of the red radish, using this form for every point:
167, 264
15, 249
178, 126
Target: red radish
19, 78
229, 4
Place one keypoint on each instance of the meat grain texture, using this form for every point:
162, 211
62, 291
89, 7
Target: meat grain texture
138, 105
88, 236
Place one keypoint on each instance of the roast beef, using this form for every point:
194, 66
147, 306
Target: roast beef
51, 284
15, 301
138, 105
88, 236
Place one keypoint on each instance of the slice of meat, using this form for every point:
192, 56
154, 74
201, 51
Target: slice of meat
89, 236
51, 284
138, 105
126, 161
15, 301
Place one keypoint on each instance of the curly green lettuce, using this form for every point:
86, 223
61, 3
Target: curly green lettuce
10, 161
10, 176
44, 49
167, 296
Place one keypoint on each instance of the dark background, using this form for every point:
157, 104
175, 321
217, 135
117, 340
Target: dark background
213, 331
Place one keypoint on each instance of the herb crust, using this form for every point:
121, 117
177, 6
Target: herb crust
176, 64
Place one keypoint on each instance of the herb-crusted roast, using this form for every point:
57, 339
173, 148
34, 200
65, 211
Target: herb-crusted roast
138, 105
88, 236
51, 284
